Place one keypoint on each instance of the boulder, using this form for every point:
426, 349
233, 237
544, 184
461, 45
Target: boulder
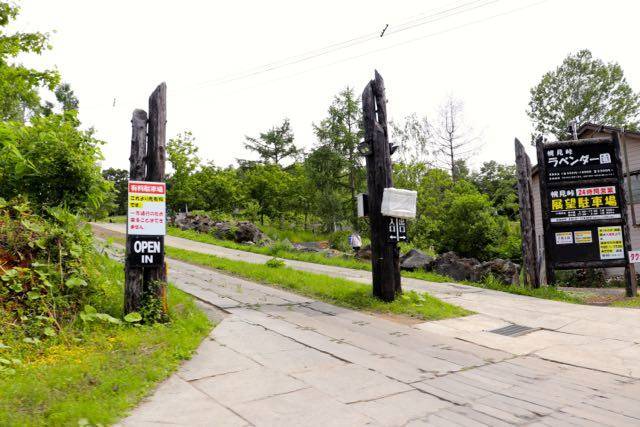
224, 230
415, 260
248, 232
505, 271
364, 252
452, 265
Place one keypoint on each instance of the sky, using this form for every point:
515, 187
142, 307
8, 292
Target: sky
212, 56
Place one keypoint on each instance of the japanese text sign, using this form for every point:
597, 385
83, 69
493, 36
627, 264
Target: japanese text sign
578, 163
147, 208
583, 203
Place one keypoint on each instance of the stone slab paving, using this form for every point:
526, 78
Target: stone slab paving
278, 359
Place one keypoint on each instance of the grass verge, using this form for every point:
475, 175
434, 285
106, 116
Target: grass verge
276, 251
627, 303
336, 291
94, 373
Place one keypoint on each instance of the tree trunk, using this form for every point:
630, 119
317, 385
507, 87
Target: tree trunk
384, 254
133, 287
527, 218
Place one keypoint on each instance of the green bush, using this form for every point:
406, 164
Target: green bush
471, 228
46, 276
340, 240
53, 163
275, 263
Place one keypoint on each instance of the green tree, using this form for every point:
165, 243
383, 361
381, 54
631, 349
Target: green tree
499, 183
269, 185
53, 163
217, 190
430, 209
340, 132
275, 145
471, 228
19, 85
582, 89
119, 179
183, 155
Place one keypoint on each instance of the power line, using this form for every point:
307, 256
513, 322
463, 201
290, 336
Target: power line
433, 34
407, 25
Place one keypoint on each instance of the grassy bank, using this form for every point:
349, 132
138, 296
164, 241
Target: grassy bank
282, 252
337, 291
550, 293
95, 372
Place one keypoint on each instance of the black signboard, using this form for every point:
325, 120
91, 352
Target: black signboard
580, 162
145, 251
583, 206
397, 229
587, 244
583, 203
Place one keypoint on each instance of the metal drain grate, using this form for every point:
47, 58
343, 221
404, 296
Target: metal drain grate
513, 330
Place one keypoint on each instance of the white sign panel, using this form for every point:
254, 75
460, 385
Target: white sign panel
147, 208
564, 238
634, 256
611, 244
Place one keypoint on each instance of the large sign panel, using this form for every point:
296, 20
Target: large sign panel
585, 213
147, 208
580, 163
587, 243
583, 203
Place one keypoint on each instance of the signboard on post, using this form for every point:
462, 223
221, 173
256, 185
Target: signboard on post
146, 251
583, 206
397, 229
147, 208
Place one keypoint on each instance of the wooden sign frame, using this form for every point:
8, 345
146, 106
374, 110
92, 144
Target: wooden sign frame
579, 177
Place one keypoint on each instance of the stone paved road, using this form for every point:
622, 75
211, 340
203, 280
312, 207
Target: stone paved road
278, 359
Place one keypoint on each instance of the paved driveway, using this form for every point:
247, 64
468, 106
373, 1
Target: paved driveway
280, 359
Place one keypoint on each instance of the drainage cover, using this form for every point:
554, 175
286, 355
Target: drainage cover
513, 330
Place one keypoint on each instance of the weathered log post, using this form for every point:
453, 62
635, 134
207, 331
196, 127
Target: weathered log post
156, 277
527, 217
137, 169
144, 284
385, 256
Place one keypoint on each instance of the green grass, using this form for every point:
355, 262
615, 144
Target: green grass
100, 371
336, 291
294, 236
120, 219
627, 303
313, 257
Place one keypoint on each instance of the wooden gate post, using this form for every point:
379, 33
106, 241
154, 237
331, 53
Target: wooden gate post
385, 256
527, 217
133, 287
147, 163
156, 159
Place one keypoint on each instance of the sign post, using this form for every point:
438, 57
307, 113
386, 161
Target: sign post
583, 206
145, 269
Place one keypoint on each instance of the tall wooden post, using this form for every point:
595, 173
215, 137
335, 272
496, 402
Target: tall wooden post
147, 163
156, 159
527, 217
133, 287
629, 269
385, 261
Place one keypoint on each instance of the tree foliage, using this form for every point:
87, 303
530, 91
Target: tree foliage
119, 179
582, 89
275, 145
20, 85
53, 163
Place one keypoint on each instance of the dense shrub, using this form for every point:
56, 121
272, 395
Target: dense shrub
45, 269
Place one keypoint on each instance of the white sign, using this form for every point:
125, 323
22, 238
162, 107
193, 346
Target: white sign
564, 238
634, 256
147, 208
611, 244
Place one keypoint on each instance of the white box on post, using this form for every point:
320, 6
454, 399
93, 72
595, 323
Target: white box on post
399, 203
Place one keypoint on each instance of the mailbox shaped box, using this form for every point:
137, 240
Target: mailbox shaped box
399, 203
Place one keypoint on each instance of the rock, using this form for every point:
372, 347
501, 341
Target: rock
364, 252
311, 246
224, 230
458, 268
332, 253
415, 260
248, 232
505, 271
